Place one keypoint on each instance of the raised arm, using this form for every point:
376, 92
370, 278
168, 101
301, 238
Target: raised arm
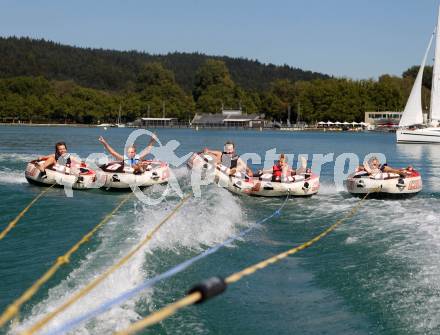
215, 153
302, 166
147, 150
241, 165
110, 149
367, 168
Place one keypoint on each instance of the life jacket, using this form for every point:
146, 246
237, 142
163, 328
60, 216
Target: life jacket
277, 172
63, 160
131, 161
228, 161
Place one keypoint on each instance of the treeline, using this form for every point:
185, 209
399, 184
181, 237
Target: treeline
38, 99
49, 89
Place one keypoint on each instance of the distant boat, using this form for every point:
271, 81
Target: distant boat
105, 125
412, 128
118, 123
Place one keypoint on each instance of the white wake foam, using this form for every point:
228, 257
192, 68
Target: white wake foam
14, 157
407, 234
199, 223
8, 176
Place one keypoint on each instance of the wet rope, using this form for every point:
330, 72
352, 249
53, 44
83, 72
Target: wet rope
69, 325
14, 222
89, 287
199, 295
14, 308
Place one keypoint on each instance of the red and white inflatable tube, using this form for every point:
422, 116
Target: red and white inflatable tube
119, 177
77, 176
301, 185
384, 184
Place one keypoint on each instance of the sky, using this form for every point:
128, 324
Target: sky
358, 39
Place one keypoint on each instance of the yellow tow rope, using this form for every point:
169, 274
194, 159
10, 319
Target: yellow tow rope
196, 296
39, 324
14, 308
14, 222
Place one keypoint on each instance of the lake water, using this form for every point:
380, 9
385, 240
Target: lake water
379, 273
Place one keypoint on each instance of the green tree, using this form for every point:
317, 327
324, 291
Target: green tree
211, 73
158, 90
272, 106
414, 70
214, 90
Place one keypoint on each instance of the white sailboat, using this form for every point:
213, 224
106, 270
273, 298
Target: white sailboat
119, 124
412, 128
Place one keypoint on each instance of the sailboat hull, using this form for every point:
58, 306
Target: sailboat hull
424, 135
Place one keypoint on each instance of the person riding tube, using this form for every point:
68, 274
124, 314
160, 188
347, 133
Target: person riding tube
60, 157
374, 168
130, 158
230, 160
280, 171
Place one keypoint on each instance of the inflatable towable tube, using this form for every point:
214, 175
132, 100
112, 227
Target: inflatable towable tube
78, 176
301, 185
119, 177
384, 184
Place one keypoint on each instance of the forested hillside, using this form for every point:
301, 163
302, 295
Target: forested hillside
49, 82
115, 70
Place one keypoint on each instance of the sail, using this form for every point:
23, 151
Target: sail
435, 90
413, 113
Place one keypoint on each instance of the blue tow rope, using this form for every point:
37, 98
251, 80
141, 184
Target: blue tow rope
69, 325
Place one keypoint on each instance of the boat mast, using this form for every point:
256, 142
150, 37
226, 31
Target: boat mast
434, 111
163, 109
119, 114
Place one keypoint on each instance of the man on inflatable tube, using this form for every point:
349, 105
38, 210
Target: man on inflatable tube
230, 159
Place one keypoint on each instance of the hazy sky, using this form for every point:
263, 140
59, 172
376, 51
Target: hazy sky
352, 38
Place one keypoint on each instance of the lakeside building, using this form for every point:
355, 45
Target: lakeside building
229, 118
384, 119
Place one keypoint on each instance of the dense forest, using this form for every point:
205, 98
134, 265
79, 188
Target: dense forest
42, 81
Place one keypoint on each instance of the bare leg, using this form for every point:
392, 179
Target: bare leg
402, 173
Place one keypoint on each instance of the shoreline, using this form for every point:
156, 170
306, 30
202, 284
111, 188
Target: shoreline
83, 125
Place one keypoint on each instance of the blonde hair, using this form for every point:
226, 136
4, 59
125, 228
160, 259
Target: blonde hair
372, 159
